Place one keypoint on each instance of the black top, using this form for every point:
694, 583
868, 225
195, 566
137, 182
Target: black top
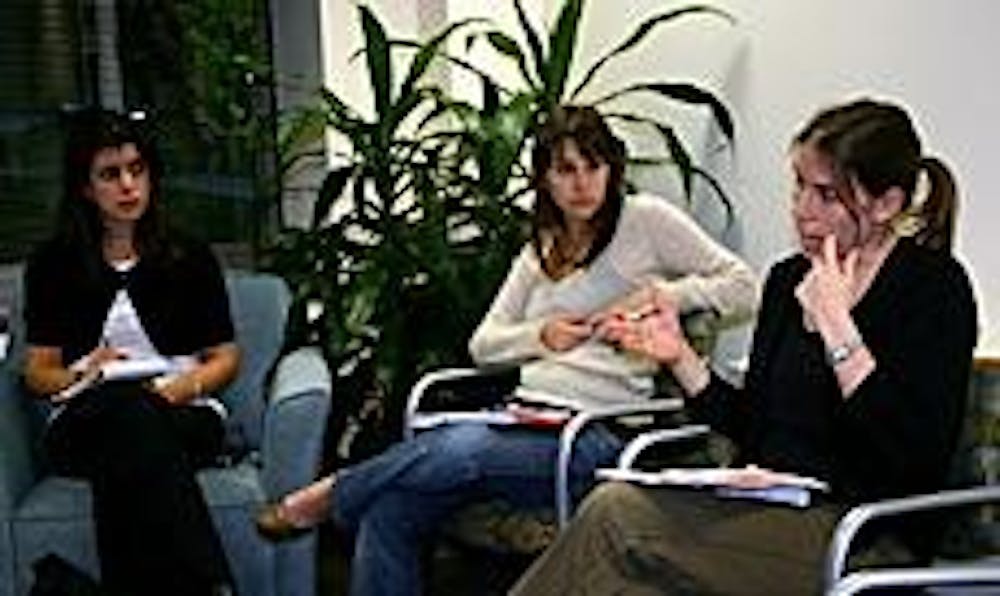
180, 298
895, 435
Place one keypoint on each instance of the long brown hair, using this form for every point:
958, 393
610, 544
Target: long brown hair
876, 144
596, 143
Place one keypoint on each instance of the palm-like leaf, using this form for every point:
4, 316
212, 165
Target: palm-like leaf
686, 93
644, 29
562, 45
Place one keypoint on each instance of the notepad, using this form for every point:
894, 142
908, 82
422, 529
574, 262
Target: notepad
513, 415
735, 483
125, 369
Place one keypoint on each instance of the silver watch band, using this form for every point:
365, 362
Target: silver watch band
839, 353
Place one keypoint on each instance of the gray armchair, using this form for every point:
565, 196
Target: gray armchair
274, 440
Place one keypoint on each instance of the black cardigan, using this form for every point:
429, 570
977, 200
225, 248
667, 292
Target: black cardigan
180, 298
896, 434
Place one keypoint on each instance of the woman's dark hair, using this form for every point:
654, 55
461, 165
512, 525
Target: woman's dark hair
596, 143
78, 221
876, 144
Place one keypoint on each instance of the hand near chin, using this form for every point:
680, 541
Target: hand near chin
827, 290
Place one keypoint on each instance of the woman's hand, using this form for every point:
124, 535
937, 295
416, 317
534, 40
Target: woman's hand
640, 300
91, 363
827, 292
654, 331
180, 389
564, 332
217, 367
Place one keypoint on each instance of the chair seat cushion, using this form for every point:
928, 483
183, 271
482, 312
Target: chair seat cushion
500, 527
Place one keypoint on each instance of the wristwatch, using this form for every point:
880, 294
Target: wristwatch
841, 352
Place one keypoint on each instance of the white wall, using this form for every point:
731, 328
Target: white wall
785, 59
936, 56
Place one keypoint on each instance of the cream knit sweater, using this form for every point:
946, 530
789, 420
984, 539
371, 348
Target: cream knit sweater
654, 243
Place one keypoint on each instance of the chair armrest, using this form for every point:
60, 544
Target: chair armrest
851, 523
949, 575
571, 431
18, 462
664, 435
295, 421
436, 377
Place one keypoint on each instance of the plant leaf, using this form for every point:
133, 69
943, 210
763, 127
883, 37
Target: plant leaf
422, 59
453, 59
717, 187
643, 30
508, 47
686, 93
379, 66
331, 189
562, 44
679, 155
537, 52
341, 116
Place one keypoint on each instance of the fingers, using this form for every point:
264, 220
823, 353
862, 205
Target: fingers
851, 264
830, 249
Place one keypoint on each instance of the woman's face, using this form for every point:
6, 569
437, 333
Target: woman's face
578, 186
818, 203
119, 184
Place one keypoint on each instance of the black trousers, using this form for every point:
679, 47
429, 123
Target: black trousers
140, 454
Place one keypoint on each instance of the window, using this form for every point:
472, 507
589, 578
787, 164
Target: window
201, 68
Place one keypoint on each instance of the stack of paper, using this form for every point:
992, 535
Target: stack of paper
750, 482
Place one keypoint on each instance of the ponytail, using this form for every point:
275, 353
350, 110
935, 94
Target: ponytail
937, 212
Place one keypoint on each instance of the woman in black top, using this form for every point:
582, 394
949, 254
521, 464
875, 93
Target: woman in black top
858, 376
113, 289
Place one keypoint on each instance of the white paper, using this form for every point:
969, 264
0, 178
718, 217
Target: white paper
742, 478
126, 369
431, 419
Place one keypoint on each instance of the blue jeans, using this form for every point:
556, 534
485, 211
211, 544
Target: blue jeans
397, 500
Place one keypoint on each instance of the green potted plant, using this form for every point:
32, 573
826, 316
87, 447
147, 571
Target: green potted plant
394, 285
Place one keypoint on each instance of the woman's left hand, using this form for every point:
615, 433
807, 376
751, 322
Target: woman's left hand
827, 292
178, 390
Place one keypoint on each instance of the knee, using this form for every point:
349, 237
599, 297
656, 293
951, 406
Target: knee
393, 513
609, 499
461, 439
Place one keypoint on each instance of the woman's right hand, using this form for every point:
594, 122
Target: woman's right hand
566, 331
93, 361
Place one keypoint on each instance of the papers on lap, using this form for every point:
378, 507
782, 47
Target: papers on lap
513, 415
117, 370
750, 482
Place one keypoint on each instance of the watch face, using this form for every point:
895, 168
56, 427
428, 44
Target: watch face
838, 354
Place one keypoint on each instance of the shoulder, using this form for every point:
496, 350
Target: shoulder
785, 273
654, 217
52, 257
934, 274
644, 207
187, 253
527, 258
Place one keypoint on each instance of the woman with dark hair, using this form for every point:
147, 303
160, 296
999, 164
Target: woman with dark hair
591, 248
129, 335
858, 375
